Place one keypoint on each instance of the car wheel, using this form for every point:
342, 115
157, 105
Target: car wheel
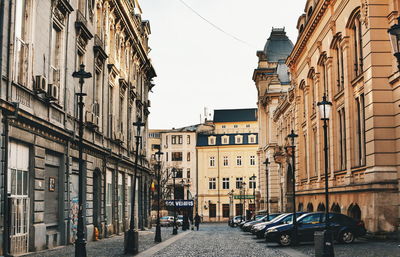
346, 237
285, 239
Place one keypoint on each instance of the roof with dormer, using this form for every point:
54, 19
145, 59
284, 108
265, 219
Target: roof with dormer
278, 46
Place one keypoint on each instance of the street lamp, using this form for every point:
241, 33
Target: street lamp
158, 226
231, 206
242, 199
394, 33
327, 248
292, 136
131, 243
267, 184
175, 229
253, 179
80, 243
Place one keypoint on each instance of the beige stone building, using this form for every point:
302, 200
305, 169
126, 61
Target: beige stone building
226, 158
272, 81
343, 52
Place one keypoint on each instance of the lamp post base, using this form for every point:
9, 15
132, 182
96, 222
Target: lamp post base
157, 238
80, 248
131, 242
323, 241
175, 230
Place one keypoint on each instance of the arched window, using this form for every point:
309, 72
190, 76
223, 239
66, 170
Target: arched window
300, 207
311, 83
310, 207
335, 208
355, 27
321, 207
354, 211
338, 62
310, 12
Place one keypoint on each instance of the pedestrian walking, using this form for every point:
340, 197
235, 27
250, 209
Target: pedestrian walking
197, 221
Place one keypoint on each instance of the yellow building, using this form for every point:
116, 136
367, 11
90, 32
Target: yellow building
227, 161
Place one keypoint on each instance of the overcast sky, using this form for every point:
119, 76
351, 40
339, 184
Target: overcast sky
200, 66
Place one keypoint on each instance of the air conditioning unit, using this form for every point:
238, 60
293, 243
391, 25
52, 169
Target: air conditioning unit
40, 85
53, 92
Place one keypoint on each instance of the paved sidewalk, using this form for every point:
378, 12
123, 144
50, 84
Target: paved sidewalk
113, 246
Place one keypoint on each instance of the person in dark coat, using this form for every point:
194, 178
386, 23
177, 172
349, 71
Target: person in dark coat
197, 221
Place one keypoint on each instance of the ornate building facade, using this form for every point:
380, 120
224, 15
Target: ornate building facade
343, 52
42, 44
272, 81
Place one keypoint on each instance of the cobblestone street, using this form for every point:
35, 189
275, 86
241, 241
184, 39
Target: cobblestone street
219, 240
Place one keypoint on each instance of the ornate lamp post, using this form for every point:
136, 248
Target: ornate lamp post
267, 184
175, 229
230, 205
292, 136
157, 238
394, 33
131, 243
325, 110
253, 179
242, 198
80, 243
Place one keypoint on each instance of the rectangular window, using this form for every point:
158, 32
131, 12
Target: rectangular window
252, 160
315, 152
166, 156
212, 183
177, 156
120, 197
188, 156
306, 154
226, 162
225, 183
180, 140
239, 209
212, 161
223, 126
179, 173
188, 173
21, 45
239, 182
109, 199
188, 139
235, 126
357, 45
252, 182
247, 125
173, 140
239, 160
225, 210
360, 131
213, 210
342, 139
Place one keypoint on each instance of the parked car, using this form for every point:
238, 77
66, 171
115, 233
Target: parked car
166, 221
248, 225
260, 228
234, 222
179, 220
345, 229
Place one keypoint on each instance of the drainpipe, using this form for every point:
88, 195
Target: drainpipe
66, 72
6, 228
68, 172
219, 189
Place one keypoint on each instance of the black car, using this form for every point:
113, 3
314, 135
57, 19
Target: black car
248, 225
286, 218
345, 229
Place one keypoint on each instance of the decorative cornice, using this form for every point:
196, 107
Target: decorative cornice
309, 29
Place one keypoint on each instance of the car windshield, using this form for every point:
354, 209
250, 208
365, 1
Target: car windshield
277, 218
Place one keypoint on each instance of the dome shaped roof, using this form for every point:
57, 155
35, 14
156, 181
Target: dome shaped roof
278, 46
